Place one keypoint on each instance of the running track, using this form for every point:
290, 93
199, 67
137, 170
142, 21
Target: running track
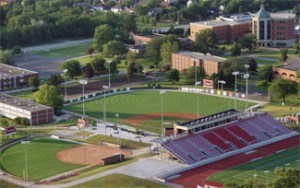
197, 176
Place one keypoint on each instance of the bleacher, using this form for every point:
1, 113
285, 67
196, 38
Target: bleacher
225, 138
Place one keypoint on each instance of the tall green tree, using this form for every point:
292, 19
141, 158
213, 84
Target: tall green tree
6, 57
103, 34
49, 95
206, 39
190, 76
166, 50
55, 79
88, 70
131, 57
129, 24
297, 48
283, 54
173, 75
266, 73
113, 48
98, 65
235, 50
280, 88
74, 68
249, 42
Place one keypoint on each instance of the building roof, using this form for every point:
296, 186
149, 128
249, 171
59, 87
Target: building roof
292, 63
197, 55
283, 16
262, 13
21, 103
8, 71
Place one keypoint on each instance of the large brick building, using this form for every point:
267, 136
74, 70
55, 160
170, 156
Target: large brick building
289, 70
227, 28
14, 77
271, 29
13, 107
184, 60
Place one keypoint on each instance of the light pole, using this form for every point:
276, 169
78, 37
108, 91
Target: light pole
162, 92
246, 76
109, 63
267, 174
83, 82
120, 141
196, 84
235, 89
104, 105
65, 76
26, 160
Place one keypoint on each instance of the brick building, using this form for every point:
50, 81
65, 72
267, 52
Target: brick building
184, 60
275, 29
271, 29
13, 107
227, 28
14, 77
289, 69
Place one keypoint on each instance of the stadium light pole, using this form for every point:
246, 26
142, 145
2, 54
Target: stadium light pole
120, 141
83, 82
105, 87
109, 63
235, 89
246, 76
26, 160
65, 76
267, 174
162, 92
198, 109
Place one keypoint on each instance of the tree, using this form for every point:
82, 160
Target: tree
166, 50
286, 177
252, 65
49, 95
98, 65
74, 68
173, 75
88, 70
266, 73
103, 34
113, 48
283, 54
249, 42
3, 123
90, 51
33, 81
190, 76
130, 71
280, 88
297, 48
129, 24
6, 57
206, 39
131, 57
55, 80
114, 66
235, 50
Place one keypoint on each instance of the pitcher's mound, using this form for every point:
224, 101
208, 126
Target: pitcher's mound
90, 154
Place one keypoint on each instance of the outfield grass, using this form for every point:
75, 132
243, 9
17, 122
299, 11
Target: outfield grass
147, 102
120, 180
42, 162
260, 168
126, 144
66, 51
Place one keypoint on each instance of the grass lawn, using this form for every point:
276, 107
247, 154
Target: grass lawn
5, 184
289, 158
66, 51
120, 180
147, 102
23, 94
292, 105
126, 144
262, 62
41, 158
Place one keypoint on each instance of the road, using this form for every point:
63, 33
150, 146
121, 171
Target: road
62, 44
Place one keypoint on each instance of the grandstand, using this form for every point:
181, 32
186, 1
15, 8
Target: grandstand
222, 135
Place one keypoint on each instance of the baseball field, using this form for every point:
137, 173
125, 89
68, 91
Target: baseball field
144, 109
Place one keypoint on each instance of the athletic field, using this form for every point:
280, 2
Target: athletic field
176, 106
42, 162
262, 169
